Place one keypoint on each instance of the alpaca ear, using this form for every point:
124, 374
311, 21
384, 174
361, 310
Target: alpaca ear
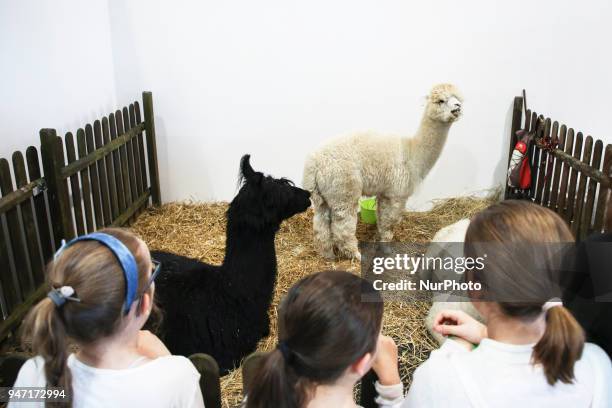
246, 171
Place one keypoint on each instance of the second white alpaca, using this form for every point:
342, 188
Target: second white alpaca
367, 164
446, 242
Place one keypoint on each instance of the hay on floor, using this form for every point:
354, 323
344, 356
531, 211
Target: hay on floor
198, 231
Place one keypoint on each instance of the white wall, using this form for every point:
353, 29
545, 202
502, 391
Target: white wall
278, 78
56, 68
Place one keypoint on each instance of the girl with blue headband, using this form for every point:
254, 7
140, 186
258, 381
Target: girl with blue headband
100, 296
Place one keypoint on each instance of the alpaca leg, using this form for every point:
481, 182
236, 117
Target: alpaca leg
322, 230
343, 227
388, 212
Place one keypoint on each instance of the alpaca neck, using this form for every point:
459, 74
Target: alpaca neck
250, 260
425, 147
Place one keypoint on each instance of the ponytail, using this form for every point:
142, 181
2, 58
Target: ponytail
560, 346
46, 331
278, 382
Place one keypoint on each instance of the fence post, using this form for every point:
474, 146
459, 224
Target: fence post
52, 156
517, 116
147, 102
607, 169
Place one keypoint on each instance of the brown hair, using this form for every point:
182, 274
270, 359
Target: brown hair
520, 226
98, 281
323, 328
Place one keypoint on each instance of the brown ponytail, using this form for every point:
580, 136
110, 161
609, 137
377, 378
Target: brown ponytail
98, 281
277, 381
521, 279
323, 328
560, 346
46, 331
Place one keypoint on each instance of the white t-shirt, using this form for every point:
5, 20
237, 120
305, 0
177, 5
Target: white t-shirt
501, 375
170, 381
389, 396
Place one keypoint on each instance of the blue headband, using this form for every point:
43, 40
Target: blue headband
124, 256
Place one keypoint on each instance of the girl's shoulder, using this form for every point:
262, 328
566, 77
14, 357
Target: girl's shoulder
594, 358
592, 350
439, 361
594, 369
174, 364
176, 367
164, 381
32, 373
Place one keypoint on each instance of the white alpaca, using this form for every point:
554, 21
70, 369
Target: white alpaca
388, 167
458, 301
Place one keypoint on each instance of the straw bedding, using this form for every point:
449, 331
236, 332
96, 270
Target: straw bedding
198, 231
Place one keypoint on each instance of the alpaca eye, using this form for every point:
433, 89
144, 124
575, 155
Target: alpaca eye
440, 101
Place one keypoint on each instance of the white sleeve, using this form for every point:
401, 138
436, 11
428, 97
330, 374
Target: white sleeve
422, 392
197, 401
389, 396
602, 395
31, 374
191, 394
450, 346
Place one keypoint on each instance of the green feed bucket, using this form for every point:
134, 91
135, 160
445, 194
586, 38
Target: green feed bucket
367, 211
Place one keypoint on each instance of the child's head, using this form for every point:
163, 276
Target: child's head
325, 333
524, 274
97, 308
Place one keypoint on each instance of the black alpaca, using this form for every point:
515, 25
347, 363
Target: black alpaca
223, 310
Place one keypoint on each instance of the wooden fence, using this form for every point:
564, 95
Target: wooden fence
571, 174
109, 177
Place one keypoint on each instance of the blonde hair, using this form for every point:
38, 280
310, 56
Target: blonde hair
98, 281
526, 224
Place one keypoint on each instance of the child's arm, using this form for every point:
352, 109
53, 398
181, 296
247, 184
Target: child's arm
385, 361
389, 385
467, 330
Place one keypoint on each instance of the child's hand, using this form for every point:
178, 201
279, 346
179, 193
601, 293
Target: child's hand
385, 362
460, 324
151, 346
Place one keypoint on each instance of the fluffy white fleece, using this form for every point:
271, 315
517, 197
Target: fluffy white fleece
368, 164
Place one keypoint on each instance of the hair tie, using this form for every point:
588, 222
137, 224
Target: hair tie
59, 296
124, 257
554, 302
284, 349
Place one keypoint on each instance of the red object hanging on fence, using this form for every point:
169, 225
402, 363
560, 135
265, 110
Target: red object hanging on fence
519, 171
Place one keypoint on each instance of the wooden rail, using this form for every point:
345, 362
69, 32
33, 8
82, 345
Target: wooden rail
101, 152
